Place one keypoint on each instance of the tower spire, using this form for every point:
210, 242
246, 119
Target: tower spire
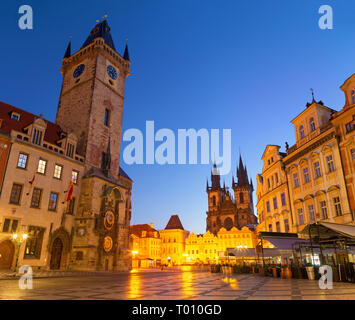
126, 54
68, 51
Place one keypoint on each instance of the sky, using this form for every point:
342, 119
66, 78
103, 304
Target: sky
247, 66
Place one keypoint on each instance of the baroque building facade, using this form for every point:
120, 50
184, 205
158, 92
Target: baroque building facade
63, 186
223, 210
317, 173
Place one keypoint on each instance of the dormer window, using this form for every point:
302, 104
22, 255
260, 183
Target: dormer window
301, 129
15, 116
70, 150
312, 124
37, 136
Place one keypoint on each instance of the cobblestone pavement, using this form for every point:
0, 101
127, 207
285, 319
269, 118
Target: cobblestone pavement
174, 286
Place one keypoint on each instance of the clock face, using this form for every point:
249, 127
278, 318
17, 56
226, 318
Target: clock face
111, 71
109, 220
79, 70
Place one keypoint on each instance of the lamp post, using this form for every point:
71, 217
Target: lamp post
19, 239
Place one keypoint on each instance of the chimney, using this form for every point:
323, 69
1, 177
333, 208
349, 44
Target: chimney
152, 225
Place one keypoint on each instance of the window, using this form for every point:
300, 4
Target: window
36, 198
278, 229
42, 164
353, 96
58, 171
317, 170
301, 129
79, 255
350, 126
241, 197
74, 176
312, 217
296, 183
268, 206
15, 116
337, 206
22, 161
312, 124
283, 199
34, 242
15, 193
323, 208
300, 216
276, 178
268, 183
275, 203
270, 227
70, 150
37, 136
52, 206
353, 153
306, 175
330, 163
10, 225
214, 200
71, 206
107, 117
287, 227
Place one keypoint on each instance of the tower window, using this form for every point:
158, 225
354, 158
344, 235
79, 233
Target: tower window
312, 124
301, 132
107, 117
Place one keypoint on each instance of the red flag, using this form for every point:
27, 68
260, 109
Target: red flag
33, 179
70, 191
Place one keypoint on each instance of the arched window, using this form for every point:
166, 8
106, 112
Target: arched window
312, 124
301, 132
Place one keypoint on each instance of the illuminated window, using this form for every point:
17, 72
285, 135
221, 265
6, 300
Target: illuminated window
75, 176
58, 171
42, 166
34, 242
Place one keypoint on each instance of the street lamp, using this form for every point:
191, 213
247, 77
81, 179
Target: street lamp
19, 239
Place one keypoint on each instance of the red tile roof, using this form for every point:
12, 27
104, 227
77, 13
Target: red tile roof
174, 223
138, 228
52, 134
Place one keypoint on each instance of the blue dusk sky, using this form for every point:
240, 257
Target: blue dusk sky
243, 65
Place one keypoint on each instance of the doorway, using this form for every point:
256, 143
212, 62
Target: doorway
56, 256
7, 251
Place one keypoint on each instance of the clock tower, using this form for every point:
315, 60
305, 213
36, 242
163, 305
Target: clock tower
91, 108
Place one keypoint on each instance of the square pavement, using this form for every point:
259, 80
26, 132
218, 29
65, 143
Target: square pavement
174, 286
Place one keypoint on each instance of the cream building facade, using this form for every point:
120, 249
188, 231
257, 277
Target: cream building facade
317, 172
